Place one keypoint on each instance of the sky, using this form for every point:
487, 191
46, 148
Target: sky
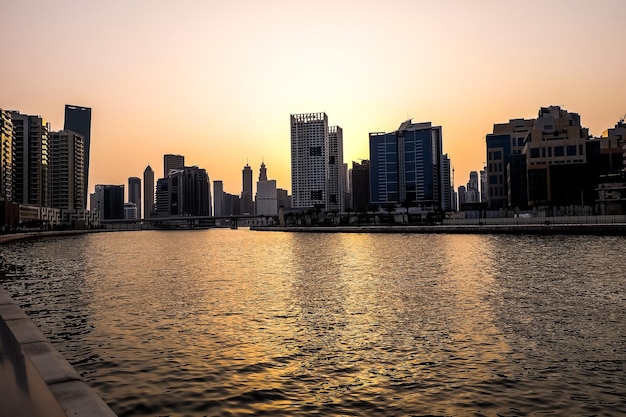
216, 81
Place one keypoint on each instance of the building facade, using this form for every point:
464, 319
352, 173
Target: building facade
67, 184
78, 119
134, 194
108, 200
30, 163
247, 205
266, 194
336, 178
360, 186
309, 150
6, 156
405, 166
218, 198
148, 192
171, 161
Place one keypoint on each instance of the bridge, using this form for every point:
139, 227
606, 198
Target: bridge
189, 222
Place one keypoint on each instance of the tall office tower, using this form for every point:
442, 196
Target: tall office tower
309, 168
67, 183
172, 162
30, 163
360, 178
263, 172
196, 192
266, 195
162, 204
148, 193
6, 156
446, 186
134, 193
78, 119
345, 180
109, 201
461, 196
335, 166
472, 193
405, 166
247, 206
218, 198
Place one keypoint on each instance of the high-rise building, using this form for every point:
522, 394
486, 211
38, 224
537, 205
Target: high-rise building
266, 195
461, 196
184, 192
130, 211
483, 186
66, 173
109, 201
247, 206
6, 156
134, 194
472, 193
336, 180
196, 192
171, 161
316, 162
148, 193
78, 119
446, 186
360, 178
405, 166
218, 198
30, 163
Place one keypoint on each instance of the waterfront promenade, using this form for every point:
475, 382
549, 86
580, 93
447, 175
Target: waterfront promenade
35, 380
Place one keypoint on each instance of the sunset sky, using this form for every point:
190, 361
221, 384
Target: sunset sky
216, 81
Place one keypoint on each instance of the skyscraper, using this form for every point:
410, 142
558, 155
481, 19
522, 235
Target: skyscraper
405, 165
247, 206
148, 192
218, 198
109, 201
78, 119
6, 155
336, 187
30, 147
171, 161
266, 196
309, 169
446, 186
360, 186
67, 186
134, 194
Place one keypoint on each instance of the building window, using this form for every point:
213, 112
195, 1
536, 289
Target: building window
559, 151
315, 151
571, 150
534, 152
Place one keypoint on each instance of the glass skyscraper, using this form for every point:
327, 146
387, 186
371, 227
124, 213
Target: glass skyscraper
78, 120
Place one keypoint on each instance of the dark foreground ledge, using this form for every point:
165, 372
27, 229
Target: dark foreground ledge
535, 229
35, 380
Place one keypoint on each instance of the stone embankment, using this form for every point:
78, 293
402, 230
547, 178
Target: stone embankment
35, 380
546, 229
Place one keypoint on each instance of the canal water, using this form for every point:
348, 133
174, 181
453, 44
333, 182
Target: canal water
236, 322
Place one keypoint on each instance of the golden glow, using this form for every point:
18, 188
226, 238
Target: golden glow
216, 81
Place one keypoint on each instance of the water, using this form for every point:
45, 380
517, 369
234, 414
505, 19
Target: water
236, 322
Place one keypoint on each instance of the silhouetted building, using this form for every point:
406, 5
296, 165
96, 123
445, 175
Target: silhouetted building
108, 200
66, 170
218, 198
507, 139
78, 119
446, 185
148, 193
247, 205
360, 186
472, 195
171, 162
284, 199
196, 192
461, 196
30, 163
405, 166
134, 194
231, 205
336, 180
266, 196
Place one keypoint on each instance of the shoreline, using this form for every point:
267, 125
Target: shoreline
618, 229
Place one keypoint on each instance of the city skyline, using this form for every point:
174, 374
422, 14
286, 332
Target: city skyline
220, 84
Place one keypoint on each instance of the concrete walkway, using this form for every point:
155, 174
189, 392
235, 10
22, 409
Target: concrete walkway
35, 380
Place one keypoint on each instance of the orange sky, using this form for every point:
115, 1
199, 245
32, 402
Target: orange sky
217, 81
